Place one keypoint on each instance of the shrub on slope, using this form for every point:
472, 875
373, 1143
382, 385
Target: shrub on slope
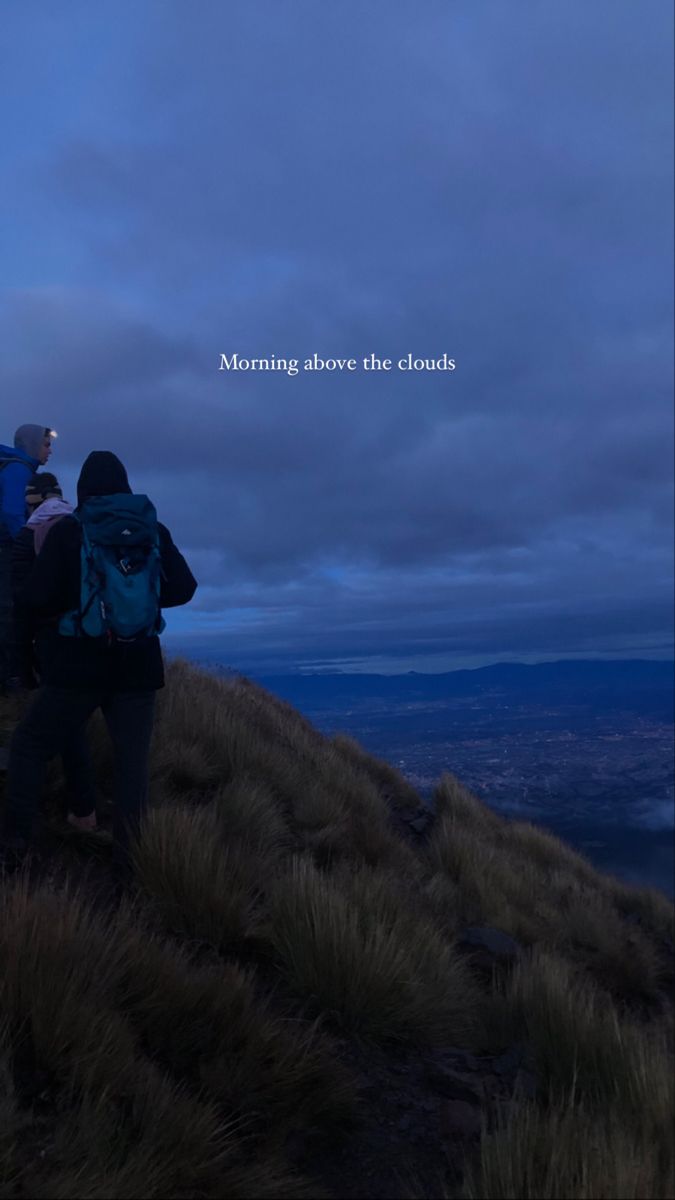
355, 944
531, 884
564, 1153
155, 1074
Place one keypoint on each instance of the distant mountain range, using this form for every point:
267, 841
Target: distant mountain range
641, 685
584, 748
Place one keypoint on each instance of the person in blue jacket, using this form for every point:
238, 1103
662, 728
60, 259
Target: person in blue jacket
18, 463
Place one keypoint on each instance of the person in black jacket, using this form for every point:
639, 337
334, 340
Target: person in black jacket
82, 674
46, 506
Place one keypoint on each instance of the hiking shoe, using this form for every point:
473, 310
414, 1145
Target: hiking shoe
86, 824
64, 828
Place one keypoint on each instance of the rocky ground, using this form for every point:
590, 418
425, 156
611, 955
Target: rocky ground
420, 1119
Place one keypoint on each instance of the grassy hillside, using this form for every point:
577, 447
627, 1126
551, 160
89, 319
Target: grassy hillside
291, 998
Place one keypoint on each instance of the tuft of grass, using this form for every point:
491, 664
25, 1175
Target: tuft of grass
330, 801
547, 852
388, 780
213, 1027
184, 766
10, 1117
316, 809
58, 1010
205, 886
580, 1043
619, 956
349, 942
648, 907
532, 885
165, 1078
62, 968
451, 799
156, 1141
566, 1152
248, 812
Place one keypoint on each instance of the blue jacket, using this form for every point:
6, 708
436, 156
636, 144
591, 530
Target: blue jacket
14, 476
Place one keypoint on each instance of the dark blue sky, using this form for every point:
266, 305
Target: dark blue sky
492, 181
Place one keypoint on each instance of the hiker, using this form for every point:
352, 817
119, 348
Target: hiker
105, 572
32, 448
46, 506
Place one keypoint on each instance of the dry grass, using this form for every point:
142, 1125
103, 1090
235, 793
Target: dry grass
359, 950
565, 1153
61, 967
212, 1027
390, 782
532, 885
179, 1040
159, 1074
580, 1042
249, 813
649, 907
323, 795
206, 887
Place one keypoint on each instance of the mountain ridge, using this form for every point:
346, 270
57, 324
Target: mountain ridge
312, 988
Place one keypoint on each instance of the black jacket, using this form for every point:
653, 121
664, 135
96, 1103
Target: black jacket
53, 588
26, 625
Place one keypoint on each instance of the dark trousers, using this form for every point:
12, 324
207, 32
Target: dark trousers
6, 618
53, 720
78, 769
79, 774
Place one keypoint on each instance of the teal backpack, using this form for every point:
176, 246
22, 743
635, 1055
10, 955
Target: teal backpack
120, 570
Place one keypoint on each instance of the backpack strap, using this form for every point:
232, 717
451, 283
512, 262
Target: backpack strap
71, 622
88, 557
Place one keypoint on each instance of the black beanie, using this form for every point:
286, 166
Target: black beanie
41, 486
102, 474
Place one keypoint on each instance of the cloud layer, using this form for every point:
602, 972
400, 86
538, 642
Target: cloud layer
484, 181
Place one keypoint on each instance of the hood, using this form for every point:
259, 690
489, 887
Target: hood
53, 507
102, 474
19, 456
29, 438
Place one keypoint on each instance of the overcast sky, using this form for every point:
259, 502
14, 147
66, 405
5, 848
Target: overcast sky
491, 180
